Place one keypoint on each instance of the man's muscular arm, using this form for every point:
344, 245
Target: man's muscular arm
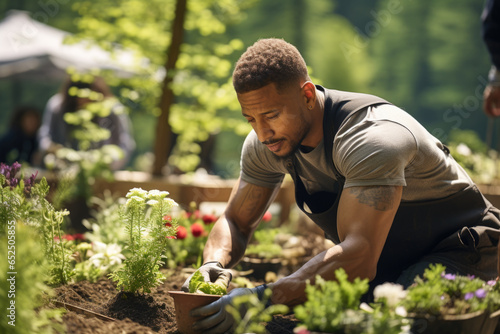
364, 219
230, 235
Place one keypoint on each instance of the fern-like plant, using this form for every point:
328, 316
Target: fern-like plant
148, 238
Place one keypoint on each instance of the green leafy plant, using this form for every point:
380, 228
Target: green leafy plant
438, 293
256, 315
24, 292
197, 284
333, 306
148, 238
264, 244
25, 200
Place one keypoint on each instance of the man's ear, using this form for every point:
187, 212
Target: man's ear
309, 91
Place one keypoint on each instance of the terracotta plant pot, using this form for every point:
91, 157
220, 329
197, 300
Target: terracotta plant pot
457, 324
184, 302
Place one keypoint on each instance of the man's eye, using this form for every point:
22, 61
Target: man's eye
274, 116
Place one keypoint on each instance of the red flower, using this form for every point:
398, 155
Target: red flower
181, 232
79, 236
168, 225
197, 230
68, 237
170, 237
167, 218
267, 216
209, 218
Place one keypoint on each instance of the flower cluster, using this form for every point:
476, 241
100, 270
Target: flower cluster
441, 293
11, 181
191, 233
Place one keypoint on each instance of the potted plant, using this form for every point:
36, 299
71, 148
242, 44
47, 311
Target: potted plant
447, 303
200, 293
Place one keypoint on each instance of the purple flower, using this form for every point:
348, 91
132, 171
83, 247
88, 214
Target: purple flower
491, 282
480, 293
469, 295
16, 167
10, 173
450, 277
28, 183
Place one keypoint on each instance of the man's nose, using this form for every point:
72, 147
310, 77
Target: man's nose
264, 131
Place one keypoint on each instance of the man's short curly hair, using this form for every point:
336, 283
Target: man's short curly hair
269, 61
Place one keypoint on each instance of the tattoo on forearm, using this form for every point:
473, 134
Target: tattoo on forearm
380, 198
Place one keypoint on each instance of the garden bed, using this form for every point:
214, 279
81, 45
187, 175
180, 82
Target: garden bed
143, 314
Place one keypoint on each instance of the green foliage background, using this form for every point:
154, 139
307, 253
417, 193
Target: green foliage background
426, 57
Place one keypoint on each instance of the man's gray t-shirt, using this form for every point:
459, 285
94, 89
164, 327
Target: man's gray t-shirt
379, 145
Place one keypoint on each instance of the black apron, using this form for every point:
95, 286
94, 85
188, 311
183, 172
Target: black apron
418, 227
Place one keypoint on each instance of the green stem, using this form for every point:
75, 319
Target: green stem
131, 232
63, 278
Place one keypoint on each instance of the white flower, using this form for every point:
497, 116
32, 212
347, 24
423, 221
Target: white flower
106, 256
139, 192
152, 202
170, 202
134, 200
401, 311
157, 194
393, 293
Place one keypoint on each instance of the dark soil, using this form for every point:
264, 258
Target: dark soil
138, 314
99, 308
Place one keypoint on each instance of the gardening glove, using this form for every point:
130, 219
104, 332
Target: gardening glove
215, 317
212, 271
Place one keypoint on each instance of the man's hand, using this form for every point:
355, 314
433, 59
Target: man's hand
216, 319
491, 104
211, 272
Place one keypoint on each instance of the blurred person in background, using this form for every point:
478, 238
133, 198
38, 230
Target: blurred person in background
20, 143
491, 37
56, 133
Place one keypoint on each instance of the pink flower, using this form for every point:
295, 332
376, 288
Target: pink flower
197, 230
267, 216
68, 237
181, 232
209, 218
170, 237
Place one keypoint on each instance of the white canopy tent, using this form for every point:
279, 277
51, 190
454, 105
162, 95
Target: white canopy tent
32, 50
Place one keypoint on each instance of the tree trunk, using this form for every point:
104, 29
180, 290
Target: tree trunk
163, 140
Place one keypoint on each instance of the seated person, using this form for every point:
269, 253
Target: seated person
20, 142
